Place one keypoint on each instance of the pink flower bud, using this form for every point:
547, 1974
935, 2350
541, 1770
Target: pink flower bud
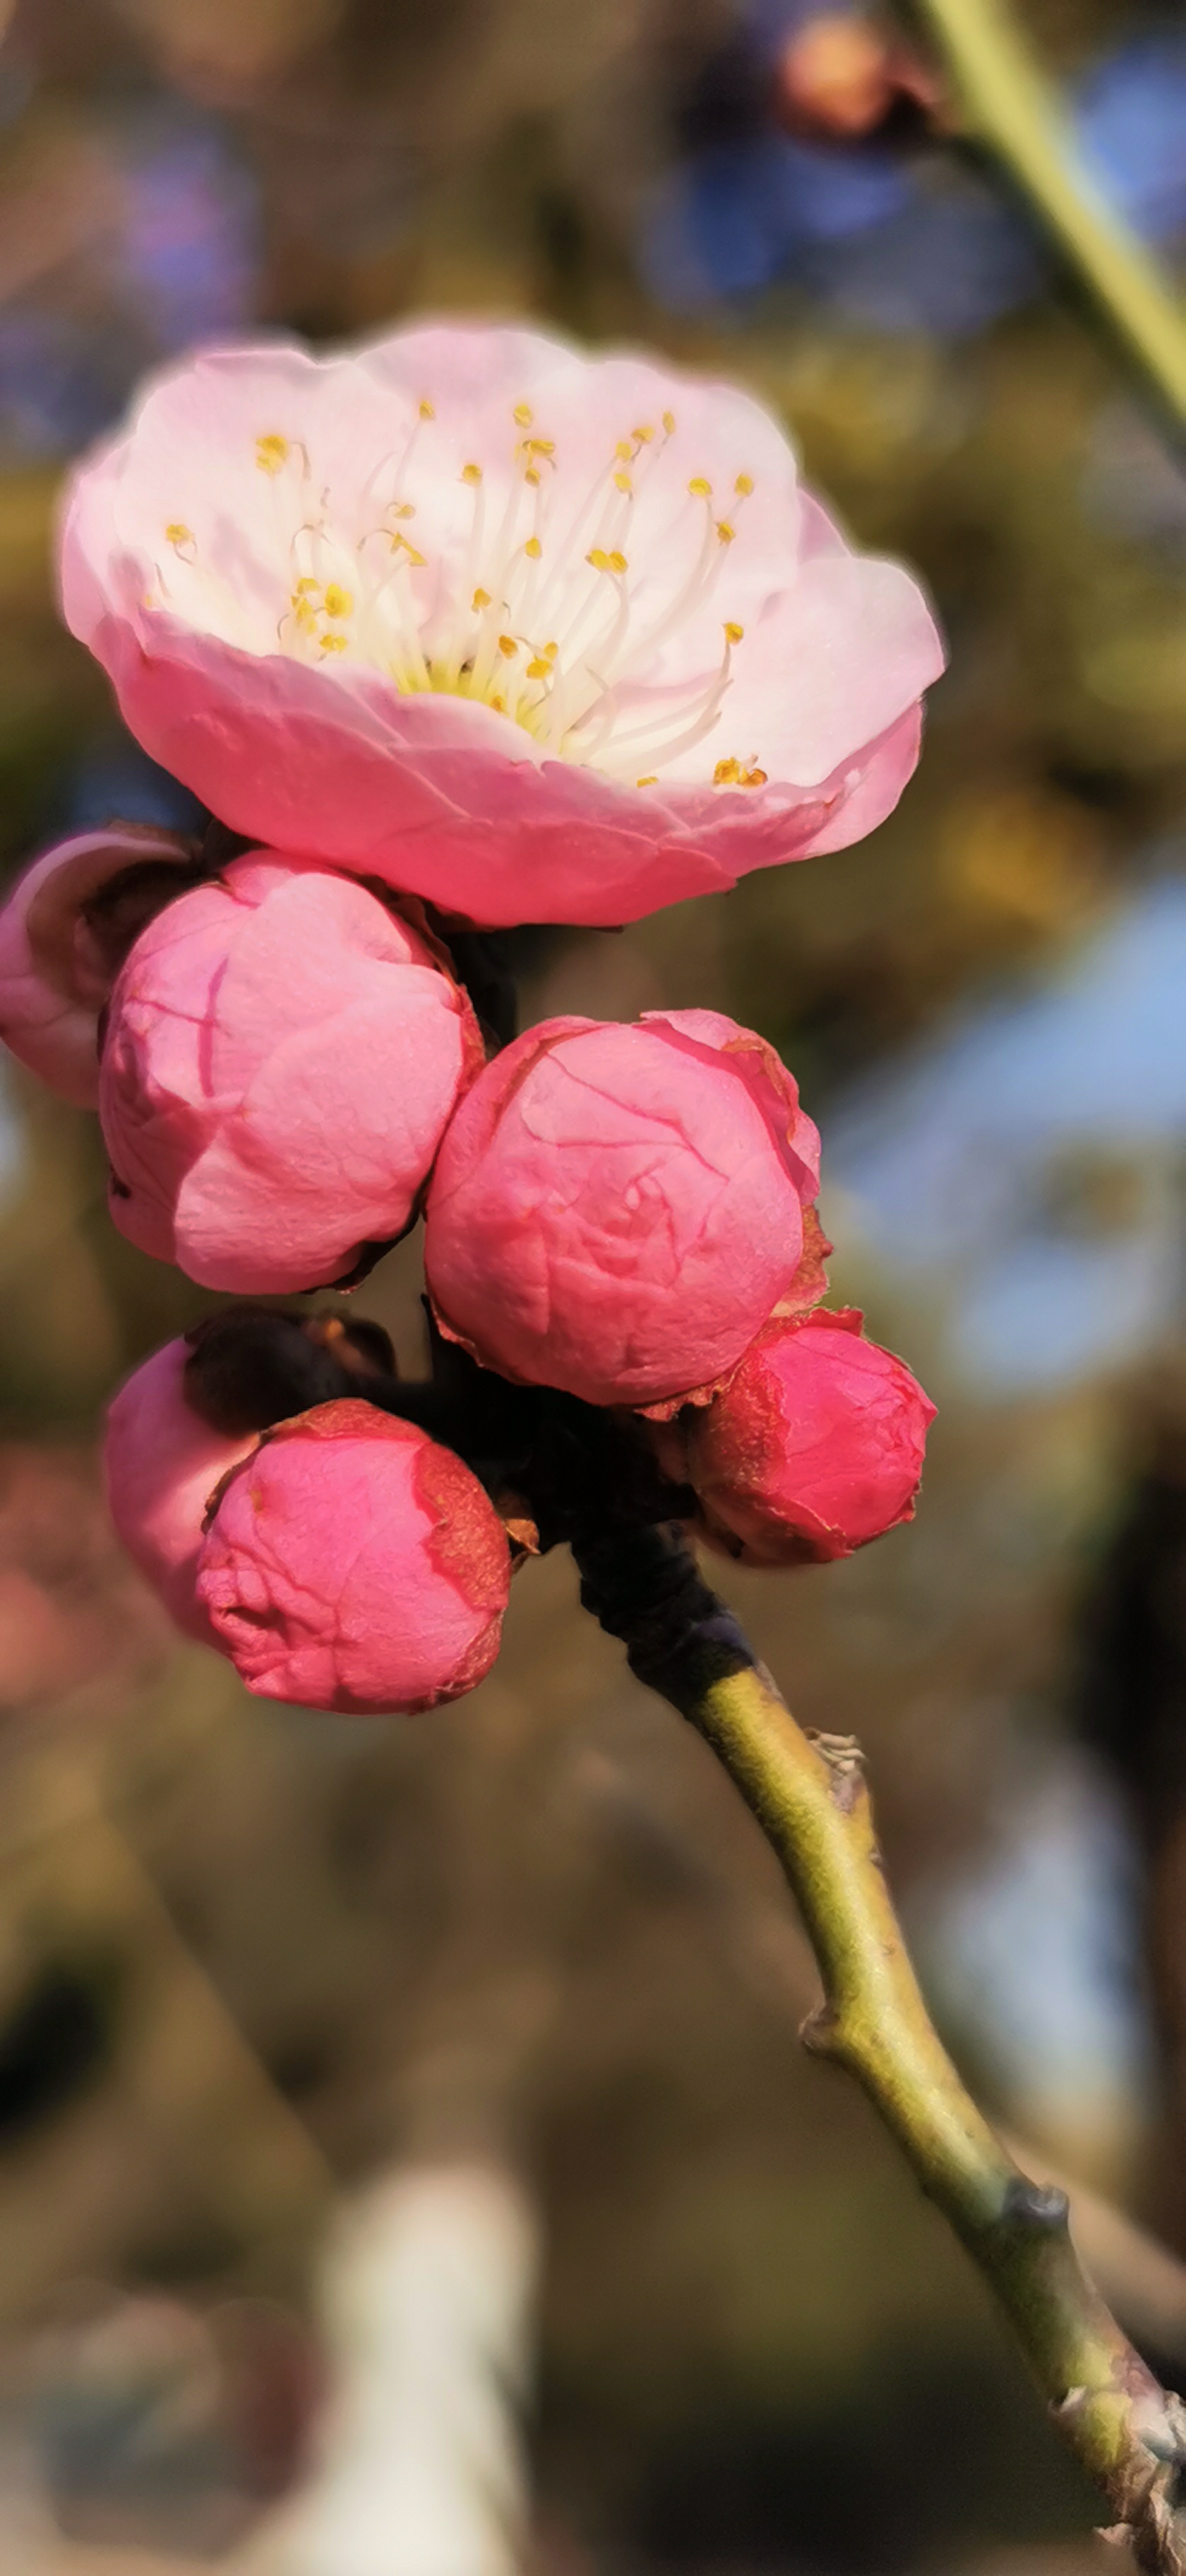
56, 933
813, 1448
616, 1209
281, 1057
162, 1464
353, 1564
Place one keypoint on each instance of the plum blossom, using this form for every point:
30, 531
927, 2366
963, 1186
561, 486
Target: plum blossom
615, 1209
533, 635
354, 1564
281, 1056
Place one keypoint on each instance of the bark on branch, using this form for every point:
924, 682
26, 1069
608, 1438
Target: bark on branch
811, 1800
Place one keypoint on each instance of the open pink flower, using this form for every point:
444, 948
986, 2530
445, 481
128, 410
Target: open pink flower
281, 1057
57, 930
534, 635
162, 1465
616, 1209
353, 1564
813, 1448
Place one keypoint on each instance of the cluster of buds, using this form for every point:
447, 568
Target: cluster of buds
623, 1258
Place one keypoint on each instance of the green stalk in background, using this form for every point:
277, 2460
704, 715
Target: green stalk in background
1015, 114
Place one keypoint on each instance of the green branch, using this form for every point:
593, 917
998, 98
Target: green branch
1013, 111
810, 1798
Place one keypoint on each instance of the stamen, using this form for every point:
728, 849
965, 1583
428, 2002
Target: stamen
466, 615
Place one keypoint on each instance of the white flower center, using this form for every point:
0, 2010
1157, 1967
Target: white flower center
535, 607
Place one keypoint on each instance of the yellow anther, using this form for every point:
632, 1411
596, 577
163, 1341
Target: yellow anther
754, 778
700, 488
541, 446
499, 704
733, 633
427, 410
305, 585
412, 556
522, 415
599, 559
647, 782
540, 668
727, 774
471, 474
338, 602
617, 561
403, 510
533, 548
669, 422
644, 433
622, 483
744, 486
624, 452
725, 532
551, 650
333, 643
178, 534
507, 647
481, 599
271, 452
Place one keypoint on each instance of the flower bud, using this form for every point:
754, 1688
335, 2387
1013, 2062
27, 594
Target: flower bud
353, 1564
843, 77
162, 1464
64, 931
813, 1448
281, 1057
615, 1209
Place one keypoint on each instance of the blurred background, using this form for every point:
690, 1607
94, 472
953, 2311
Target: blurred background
407, 2167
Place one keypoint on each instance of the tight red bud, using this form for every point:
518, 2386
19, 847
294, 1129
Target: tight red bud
815, 1446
